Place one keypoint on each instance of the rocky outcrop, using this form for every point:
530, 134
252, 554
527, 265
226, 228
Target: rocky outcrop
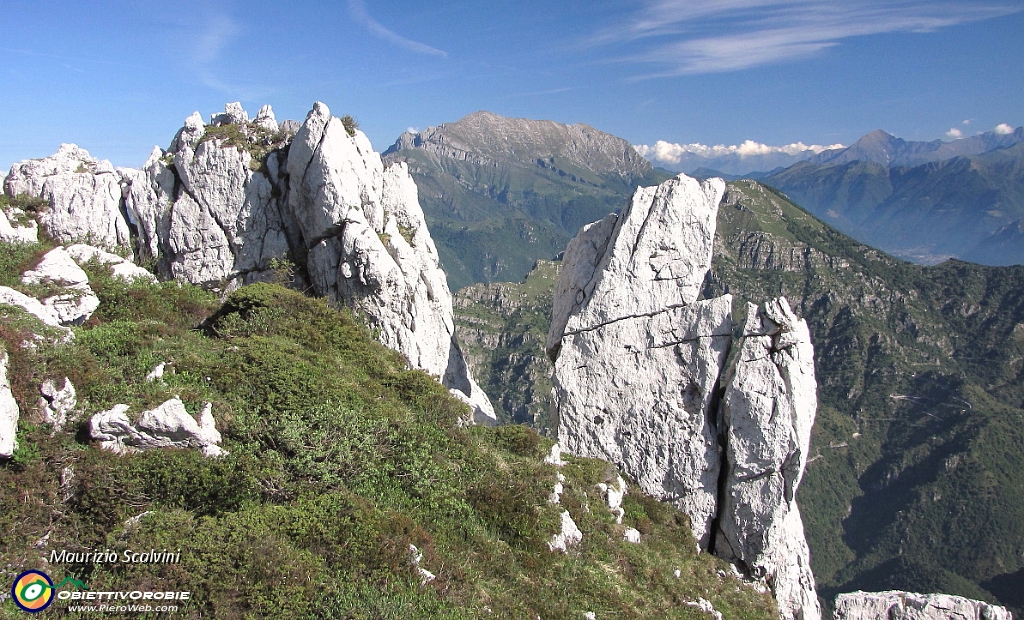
9, 412
237, 201
12, 231
76, 302
766, 416
58, 406
166, 426
84, 194
120, 267
46, 314
635, 382
640, 381
896, 605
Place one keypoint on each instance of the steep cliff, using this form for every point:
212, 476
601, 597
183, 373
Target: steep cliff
639, 365
236, 201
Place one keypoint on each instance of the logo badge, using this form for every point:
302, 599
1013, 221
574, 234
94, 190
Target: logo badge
32, 591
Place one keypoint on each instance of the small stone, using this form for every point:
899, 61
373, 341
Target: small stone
569, 535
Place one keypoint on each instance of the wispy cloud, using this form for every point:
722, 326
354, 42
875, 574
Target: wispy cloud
954, 133
673, 33
217, 33
211, 43
357, 9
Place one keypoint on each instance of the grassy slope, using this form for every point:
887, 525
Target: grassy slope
340, 458
915, 480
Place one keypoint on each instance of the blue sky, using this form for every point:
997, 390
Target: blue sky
118, 77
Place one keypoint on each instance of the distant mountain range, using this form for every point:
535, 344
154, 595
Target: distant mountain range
922, 201
883, 148
499, 193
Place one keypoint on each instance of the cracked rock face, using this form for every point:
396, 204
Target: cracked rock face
639, 366
897, 605
635, 380
221, 211
767, 412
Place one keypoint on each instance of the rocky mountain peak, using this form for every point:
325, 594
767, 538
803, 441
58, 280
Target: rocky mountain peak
493, 137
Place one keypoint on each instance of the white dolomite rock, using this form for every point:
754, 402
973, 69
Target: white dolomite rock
897, 605
167, 426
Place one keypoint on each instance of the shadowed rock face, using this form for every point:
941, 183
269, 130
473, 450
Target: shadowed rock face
231, 201
639, 366
896, 605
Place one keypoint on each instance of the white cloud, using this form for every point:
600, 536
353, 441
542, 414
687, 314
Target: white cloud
672, 153
357, 9
412, 130
965, 122
1003, 129
954, 133
760, 32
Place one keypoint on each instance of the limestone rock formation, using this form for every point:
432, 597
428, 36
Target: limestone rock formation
767, 412
229, 203
896, 605
9, 412
77, 302
58, 406
46, 314
166, 426
119, 267
635, 385
13, 232
640, 381
84, 195
568, 536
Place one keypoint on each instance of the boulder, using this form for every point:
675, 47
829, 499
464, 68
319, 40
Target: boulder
46, 314
233, 114
265, 119
10, 233
58, 406
119, 267
166, 426
568, 536
9, 412
897, 605
78, 302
